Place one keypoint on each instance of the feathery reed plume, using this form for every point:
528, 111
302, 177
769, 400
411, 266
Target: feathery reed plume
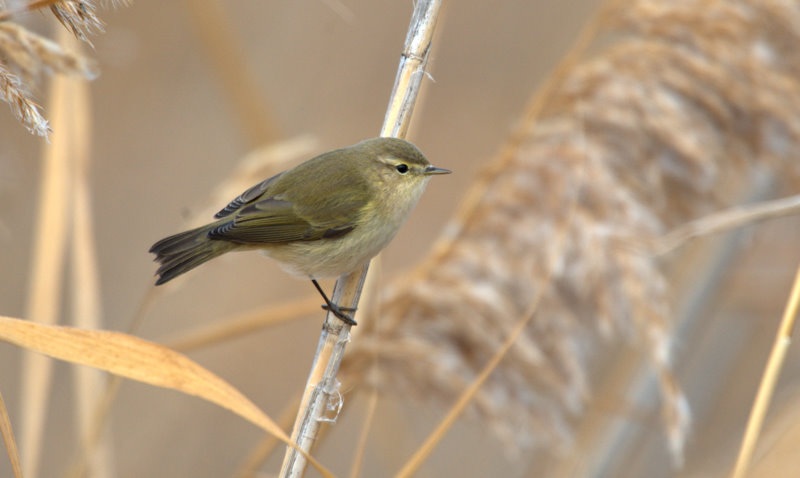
24, 55
633, 141
78, 17
33, 54
13, 92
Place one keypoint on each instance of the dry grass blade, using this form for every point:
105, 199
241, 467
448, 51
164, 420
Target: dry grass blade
777, 357
777, 449
726, 220
8, 438
139, 360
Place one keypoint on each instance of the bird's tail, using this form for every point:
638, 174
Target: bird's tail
185, 251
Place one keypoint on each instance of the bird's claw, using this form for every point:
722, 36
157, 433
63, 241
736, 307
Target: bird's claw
340, 312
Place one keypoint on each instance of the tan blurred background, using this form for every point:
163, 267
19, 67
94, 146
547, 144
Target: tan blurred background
165, 134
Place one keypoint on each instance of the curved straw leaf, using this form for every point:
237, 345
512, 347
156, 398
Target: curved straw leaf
8, 437
140, 360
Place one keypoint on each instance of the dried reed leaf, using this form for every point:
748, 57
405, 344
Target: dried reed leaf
132, 358
776, 455
8, 438
140, 360
658, 122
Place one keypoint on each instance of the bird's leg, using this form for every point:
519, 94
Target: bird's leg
337, 311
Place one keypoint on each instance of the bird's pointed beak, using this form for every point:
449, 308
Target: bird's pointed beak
429, 170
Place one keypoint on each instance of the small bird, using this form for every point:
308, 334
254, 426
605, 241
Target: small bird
323, 218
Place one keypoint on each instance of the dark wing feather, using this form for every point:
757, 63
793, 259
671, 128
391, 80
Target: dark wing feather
246, 197
272, 221
267, 221
286, 210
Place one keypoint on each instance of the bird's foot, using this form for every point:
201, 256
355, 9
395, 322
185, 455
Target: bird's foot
334, 308
341, 312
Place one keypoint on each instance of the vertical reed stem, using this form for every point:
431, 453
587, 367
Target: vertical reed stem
322, 400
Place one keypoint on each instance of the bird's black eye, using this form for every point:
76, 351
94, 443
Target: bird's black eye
401, 168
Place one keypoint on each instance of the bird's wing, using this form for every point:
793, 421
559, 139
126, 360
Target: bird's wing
285, 209
276, 221
247, 197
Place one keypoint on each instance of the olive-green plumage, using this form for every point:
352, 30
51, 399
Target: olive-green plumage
322, 218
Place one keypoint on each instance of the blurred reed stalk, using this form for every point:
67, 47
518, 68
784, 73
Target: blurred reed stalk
251, 465
46, 280
662, 121
85, 284
321, 396
225, 52
27, 56
360, 448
